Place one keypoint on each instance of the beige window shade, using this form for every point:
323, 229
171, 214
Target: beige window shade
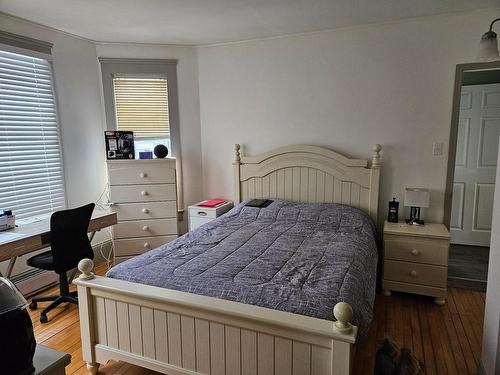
141, 106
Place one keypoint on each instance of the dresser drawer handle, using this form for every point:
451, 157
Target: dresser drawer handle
145, 227
142, 175
415, 252
144, 193
202, 213
413, 273
145, 211
147, 245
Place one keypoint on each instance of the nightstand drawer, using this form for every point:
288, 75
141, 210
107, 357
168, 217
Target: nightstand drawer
202, 212
145, 228
418, 250
415, 273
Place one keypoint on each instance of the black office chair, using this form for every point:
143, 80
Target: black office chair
69, 244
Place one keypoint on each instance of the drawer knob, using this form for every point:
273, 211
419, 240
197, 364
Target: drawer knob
415, 252
142, 175
145, 227
413, 273
145, 211
202, 213
147, 245
144, 193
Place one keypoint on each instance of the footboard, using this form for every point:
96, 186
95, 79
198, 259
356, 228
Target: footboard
182, 333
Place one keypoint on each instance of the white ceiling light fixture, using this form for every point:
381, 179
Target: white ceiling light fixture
488, 46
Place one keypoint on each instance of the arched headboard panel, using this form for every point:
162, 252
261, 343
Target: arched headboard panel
306, 173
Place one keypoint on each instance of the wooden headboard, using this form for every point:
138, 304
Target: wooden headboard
304, 173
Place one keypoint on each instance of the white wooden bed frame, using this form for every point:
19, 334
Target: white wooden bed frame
180, 333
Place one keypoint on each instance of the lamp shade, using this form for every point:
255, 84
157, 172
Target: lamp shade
415, 197
488, 47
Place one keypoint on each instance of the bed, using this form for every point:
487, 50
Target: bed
211, 302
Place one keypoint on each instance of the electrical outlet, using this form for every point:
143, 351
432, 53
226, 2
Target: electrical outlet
437, 148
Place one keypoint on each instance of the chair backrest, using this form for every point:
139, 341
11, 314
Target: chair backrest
68, 236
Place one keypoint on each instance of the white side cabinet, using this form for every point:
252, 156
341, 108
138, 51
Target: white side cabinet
144, 197
199, 215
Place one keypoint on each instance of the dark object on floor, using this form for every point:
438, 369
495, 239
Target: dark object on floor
391, 360
17, 345
260, 203
468, 267
48, 361
69, 244
161, 151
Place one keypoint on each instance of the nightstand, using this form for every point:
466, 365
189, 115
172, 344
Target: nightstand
199, 215
416, 259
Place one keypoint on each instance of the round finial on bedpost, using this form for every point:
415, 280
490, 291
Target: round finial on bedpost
343, 313
237, 156
86, 266
376, 156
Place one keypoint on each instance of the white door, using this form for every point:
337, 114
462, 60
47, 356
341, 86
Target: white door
475, 165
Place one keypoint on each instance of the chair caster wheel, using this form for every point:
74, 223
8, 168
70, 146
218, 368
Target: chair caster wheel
43, 319
33, 306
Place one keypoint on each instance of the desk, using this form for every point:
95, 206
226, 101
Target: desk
34, 236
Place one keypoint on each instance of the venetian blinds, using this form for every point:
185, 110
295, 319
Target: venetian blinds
141, 106
31, 171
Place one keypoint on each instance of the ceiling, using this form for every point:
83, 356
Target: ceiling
199, 22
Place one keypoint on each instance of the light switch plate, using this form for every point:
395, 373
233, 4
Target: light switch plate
437, 148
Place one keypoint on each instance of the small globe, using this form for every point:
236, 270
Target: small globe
161, 151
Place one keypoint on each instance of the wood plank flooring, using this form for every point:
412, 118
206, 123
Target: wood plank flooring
446, 339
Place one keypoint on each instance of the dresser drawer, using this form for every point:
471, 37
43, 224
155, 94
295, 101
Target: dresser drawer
415, 273
145, 228
141, 173
419, 250
146, 210
136, 246
143, 193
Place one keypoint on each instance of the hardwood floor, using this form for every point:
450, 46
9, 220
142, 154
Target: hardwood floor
446, 339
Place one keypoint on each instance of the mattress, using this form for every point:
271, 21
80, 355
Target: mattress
301, 258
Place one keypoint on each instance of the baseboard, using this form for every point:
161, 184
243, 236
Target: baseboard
460, 282
35, 280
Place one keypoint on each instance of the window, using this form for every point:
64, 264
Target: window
141, 106
31, 169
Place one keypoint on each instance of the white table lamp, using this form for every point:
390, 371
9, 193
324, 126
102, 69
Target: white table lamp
416, 199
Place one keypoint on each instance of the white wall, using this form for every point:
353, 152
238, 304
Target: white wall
347, 89
189, 108
491, 347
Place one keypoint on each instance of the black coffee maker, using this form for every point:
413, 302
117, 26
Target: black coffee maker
17, 341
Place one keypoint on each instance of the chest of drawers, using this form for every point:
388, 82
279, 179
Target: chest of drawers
144, 197
416, 259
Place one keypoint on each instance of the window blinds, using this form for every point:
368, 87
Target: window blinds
31, 171
141, 106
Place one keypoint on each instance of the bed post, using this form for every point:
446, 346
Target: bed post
375, 181
85, 307
236, 174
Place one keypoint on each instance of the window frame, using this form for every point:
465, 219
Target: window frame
166, 68
41, 50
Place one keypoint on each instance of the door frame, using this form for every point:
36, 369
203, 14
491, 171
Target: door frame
455, 116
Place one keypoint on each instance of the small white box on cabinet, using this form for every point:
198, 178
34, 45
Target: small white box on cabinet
199, 215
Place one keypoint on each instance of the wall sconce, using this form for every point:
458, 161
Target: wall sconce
488, 46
